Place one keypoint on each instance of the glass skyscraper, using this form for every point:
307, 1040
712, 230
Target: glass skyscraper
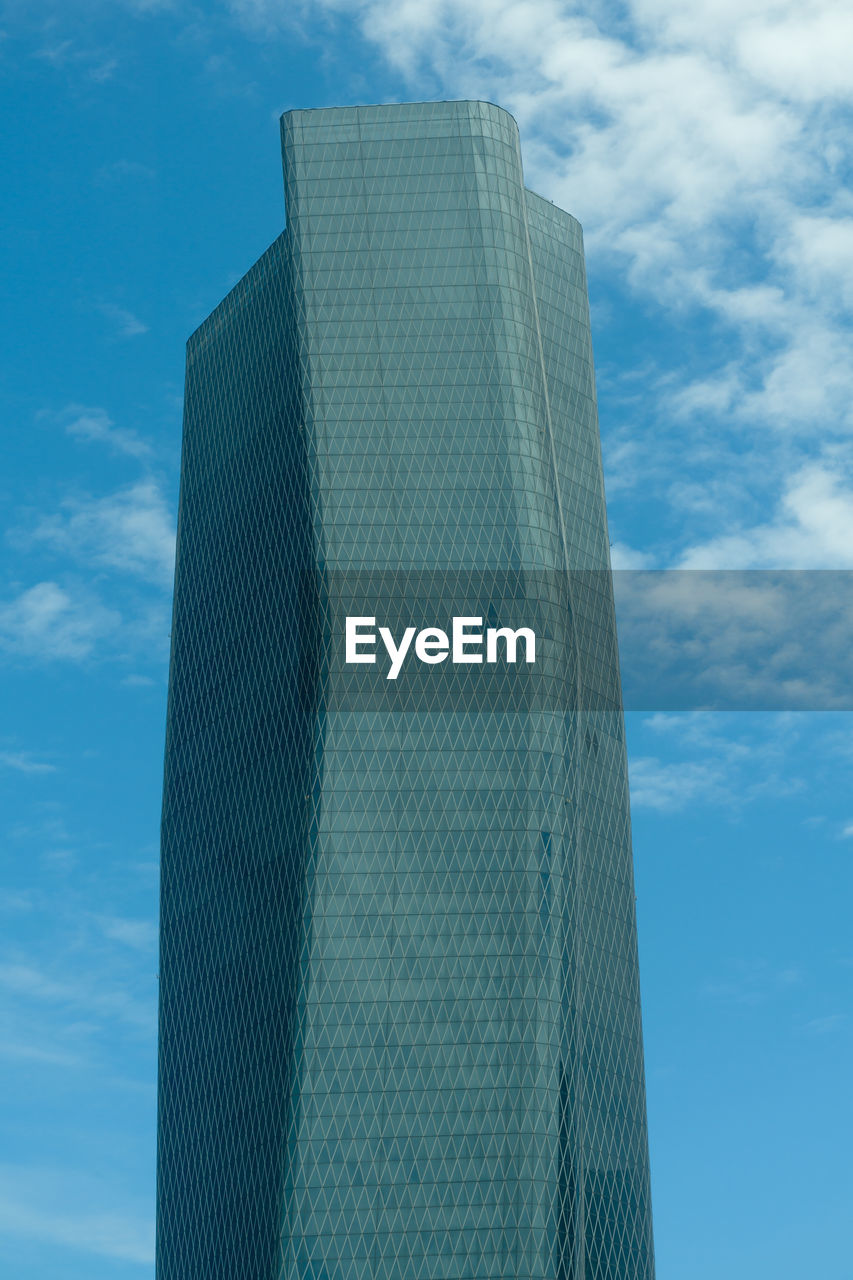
399, 1019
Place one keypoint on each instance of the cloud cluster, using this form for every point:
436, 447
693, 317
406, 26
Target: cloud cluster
95, 425
45, 621
708, 759
811, 526
85, 993
29, 1200
737, 640
23, 762
125, 323
131, 531
118, 547
706, 149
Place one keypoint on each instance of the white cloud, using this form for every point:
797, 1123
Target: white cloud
127, 325
131, 531
94, 64
807, 386
812, 527
70, 1209
95, 425
634, 119
736, 640
801, 51
23, 762
625, 557
755, 983
829, 1023
140, 935
818, 249
704, 148
45, 621
25, 980
12, 900
670, 786
23, 1051
81, 992
708, 764
56, 54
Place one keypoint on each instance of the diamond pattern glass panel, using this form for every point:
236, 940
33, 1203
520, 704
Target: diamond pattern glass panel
399, 1023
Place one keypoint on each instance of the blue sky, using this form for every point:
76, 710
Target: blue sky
707, 151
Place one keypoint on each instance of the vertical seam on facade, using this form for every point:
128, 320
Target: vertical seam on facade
579, 860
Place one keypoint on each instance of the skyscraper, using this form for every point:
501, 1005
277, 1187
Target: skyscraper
399, 1021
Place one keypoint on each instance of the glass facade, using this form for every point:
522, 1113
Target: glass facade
399, 1022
